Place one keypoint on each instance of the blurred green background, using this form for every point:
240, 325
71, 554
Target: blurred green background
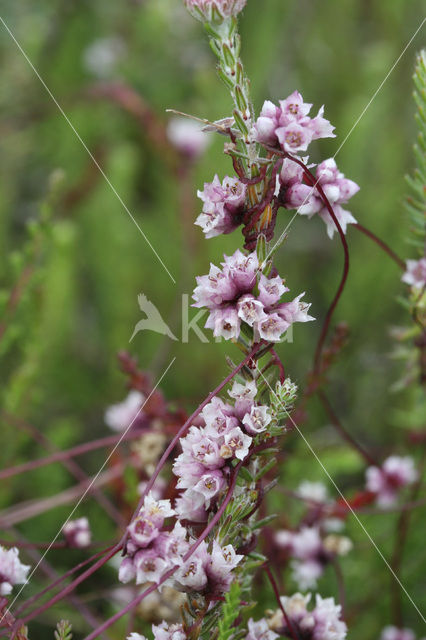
88, 261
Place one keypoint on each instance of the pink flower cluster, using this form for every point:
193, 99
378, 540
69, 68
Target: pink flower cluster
205, 9
259, 630
310, 556
415, 275
323, 622
12, 571
222, 206
289, 124
152, 551
228, 433
162, 631
393, 633
77, 533
386, 481
307, 200
239, 293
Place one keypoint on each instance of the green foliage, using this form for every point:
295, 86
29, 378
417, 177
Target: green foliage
416, 203
63, 630
230, 611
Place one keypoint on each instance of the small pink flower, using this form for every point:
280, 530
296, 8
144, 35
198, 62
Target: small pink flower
295, 311
120, 416
188, 137
191, 575
209, 485
294, 137
260, 631
191, 506
393, 633
289, 124
415, 275
236, 444
12, 571
250, 310
225, 323
271, 290
257, 420
338, 190
246, 391
323, 622
207, 9
272, 328
165, 631
77, 533
327, 620
393, 475
219, 567
150, 567
221, 205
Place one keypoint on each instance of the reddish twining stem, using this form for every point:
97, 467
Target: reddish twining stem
70, 588
401, 535
69, 453
186, 426
382, 245
340, 428
58, 581
274, 585
310, 178
279, 364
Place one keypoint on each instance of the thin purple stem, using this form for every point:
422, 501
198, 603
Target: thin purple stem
54, 584
340, 428
66, 455
289, 624
382, 245
69, 588
314, 183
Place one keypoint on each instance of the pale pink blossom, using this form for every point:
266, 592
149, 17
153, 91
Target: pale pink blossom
323, 622
237, 444
187, 136
120, 416
150, 567
77, 533
315, 491
246, 391
222, 206
386, 481
289, 124
272, 328
415, 274
12, 571
250, 310
271, 290
207, 10
338, 190
259, 630
257, 420
393, 633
